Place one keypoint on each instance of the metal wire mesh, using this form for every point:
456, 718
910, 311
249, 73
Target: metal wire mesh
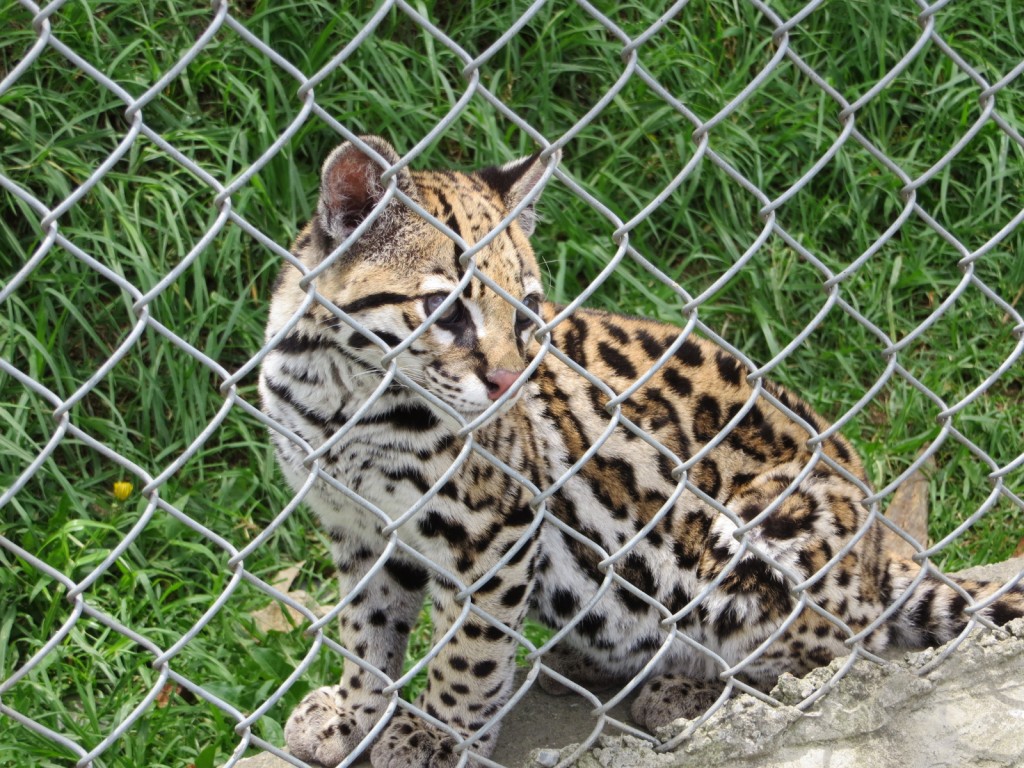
71, 423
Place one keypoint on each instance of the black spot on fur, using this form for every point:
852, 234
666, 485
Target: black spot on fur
490, 585
414, 417
408, 474
513, 596
1001, 612
740, 479
707, 478
840, 448
434, 524
519, 516
689, 354
650, 345
297, 343
750, 510
707, 419
678, 383
564, 602
591, 624
575, 340
727, 624
728, 368
410, 577
484, 668
635, 570
688, 550
331, 422
645, 646
615, 360
780, 526
678, 599
616, 333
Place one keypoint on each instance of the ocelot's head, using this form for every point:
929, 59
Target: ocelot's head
404, 276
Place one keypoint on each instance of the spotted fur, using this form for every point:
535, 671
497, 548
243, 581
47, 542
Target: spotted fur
726, 591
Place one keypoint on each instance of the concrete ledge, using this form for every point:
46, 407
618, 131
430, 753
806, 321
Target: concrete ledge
968, 712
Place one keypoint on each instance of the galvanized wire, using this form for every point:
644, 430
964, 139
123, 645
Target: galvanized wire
836, 298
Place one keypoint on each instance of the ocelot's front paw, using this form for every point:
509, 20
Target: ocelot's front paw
321, 729
669, 697
408, 742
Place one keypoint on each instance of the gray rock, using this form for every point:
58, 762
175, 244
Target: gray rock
547, 758
969, 711
263, 760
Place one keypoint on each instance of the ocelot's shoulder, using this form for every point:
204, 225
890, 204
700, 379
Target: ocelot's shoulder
626, 346
684, 373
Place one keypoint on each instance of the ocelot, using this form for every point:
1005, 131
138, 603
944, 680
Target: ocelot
620, 546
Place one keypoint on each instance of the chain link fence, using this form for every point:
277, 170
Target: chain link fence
87, 674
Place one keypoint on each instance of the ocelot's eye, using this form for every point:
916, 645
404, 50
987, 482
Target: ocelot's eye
523, 320
451, 316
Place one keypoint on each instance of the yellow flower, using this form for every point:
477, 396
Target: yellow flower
122, 490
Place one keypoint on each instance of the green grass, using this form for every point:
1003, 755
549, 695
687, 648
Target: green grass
228, 106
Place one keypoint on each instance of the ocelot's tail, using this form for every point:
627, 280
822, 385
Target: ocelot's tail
934, 612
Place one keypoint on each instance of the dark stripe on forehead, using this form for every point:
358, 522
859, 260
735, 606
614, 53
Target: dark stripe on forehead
515, 249
453, 224
376, 300
446, 206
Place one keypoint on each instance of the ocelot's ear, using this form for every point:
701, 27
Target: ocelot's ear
351, 185
514, 181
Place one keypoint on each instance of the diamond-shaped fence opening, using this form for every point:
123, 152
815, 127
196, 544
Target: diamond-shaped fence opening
832, 192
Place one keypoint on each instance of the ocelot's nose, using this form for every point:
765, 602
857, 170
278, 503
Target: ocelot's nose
499, 381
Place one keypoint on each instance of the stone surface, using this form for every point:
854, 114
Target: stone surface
969, 711
263, 760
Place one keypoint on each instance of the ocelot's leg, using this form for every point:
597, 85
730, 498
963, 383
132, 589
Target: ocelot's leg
665, 698
471, 677
331, 721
